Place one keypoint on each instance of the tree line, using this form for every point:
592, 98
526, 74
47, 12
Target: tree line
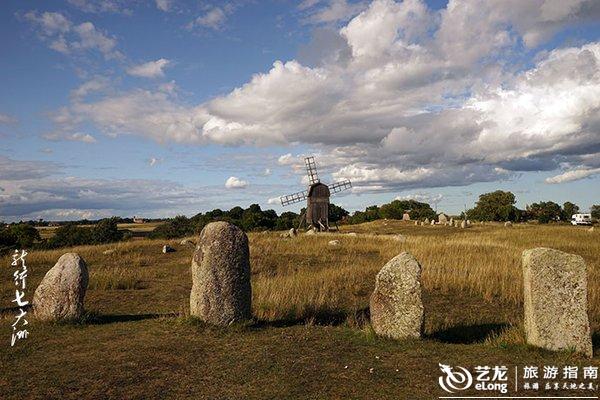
494, 206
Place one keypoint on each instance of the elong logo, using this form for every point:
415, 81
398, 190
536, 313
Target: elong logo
455, 380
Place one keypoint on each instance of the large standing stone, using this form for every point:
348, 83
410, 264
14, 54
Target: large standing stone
396, 306
555, 300
442, 218
60, 294
221, 292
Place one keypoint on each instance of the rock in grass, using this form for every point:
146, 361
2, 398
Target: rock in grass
109, 251
396, 306
334, 243
187, 242
555, 300
167, 249
59, 297
508, 224
221, 292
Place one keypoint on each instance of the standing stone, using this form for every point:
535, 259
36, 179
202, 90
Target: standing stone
451, 221
442, 218
292, 232
432, 222
463, 224
396, 306
59, 297
427, 221
416, 223
406, 217
508, 224
555, 300
221, 292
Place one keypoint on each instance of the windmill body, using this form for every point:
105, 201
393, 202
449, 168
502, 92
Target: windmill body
317, 197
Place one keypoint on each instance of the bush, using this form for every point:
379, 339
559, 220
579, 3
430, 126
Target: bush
106, 231
70, 235
180, 226
22, 236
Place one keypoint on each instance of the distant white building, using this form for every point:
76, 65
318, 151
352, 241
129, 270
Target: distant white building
138, 220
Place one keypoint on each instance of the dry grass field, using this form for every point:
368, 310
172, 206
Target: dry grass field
310, 338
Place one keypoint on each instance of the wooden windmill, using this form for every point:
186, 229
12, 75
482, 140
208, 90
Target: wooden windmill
317, 196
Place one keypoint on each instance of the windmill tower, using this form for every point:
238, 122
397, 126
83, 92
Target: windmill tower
316, 196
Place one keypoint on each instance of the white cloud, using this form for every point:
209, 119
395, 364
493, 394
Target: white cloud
274, 200
235, 183
417, 101
332, 12
65, 37
267, 172
74, 137
214, 19
102, 6
153, 161
163, 5
151, 69
573, 175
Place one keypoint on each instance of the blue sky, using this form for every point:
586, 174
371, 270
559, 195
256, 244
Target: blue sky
159, 108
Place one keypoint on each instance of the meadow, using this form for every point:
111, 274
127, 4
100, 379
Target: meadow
310, 337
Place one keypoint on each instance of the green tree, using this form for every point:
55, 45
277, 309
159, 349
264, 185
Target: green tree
595, 210
106, 231
25, 235
545, 211
70, 235
495, 206
180, 226
336, 213
568, 210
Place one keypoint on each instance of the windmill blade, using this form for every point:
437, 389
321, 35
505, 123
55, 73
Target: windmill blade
311, 170
293, 198
340, 186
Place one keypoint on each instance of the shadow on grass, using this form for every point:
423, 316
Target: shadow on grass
99, 319
319, 317
467, 334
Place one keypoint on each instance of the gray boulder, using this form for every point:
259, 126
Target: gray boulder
221, 292
463, 224
396, 306
60, 295
555, 300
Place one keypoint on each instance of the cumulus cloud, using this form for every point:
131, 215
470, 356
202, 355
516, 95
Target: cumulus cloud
151, 69
573, 175
214, 18
333, 11
65, 37
235, 183
412, 99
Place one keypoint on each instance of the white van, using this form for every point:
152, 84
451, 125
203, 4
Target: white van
581, 219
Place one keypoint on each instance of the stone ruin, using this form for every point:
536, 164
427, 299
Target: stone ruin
555, 301
60, 295
396, 307
221, 292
